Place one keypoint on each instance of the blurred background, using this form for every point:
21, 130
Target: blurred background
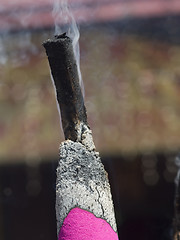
130, 58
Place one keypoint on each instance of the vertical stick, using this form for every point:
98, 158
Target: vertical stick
65, 75
82, 181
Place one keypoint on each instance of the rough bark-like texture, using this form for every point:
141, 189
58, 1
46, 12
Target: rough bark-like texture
81, 178
69, 96
82, 182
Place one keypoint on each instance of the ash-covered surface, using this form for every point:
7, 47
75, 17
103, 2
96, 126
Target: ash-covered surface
81, 178
82, 182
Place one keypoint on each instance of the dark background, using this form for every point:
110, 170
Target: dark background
142, 212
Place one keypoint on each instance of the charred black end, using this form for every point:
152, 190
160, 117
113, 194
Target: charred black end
66, 79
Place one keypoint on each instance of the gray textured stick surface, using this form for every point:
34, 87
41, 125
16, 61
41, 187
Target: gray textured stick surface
82, 182
81, 178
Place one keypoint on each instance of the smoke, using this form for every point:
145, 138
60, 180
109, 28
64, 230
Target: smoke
177, 162
3, 55
16, 49
16, 43
65, 22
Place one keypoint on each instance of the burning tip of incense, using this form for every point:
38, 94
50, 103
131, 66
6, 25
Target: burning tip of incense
56, 39
64, 35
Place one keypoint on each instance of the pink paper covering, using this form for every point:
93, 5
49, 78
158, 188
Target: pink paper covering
83, 225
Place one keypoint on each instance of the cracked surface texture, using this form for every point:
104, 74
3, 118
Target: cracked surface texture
82, 182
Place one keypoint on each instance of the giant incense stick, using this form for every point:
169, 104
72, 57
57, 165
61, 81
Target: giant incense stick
82, 182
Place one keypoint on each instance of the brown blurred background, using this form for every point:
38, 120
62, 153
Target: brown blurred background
130, 57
